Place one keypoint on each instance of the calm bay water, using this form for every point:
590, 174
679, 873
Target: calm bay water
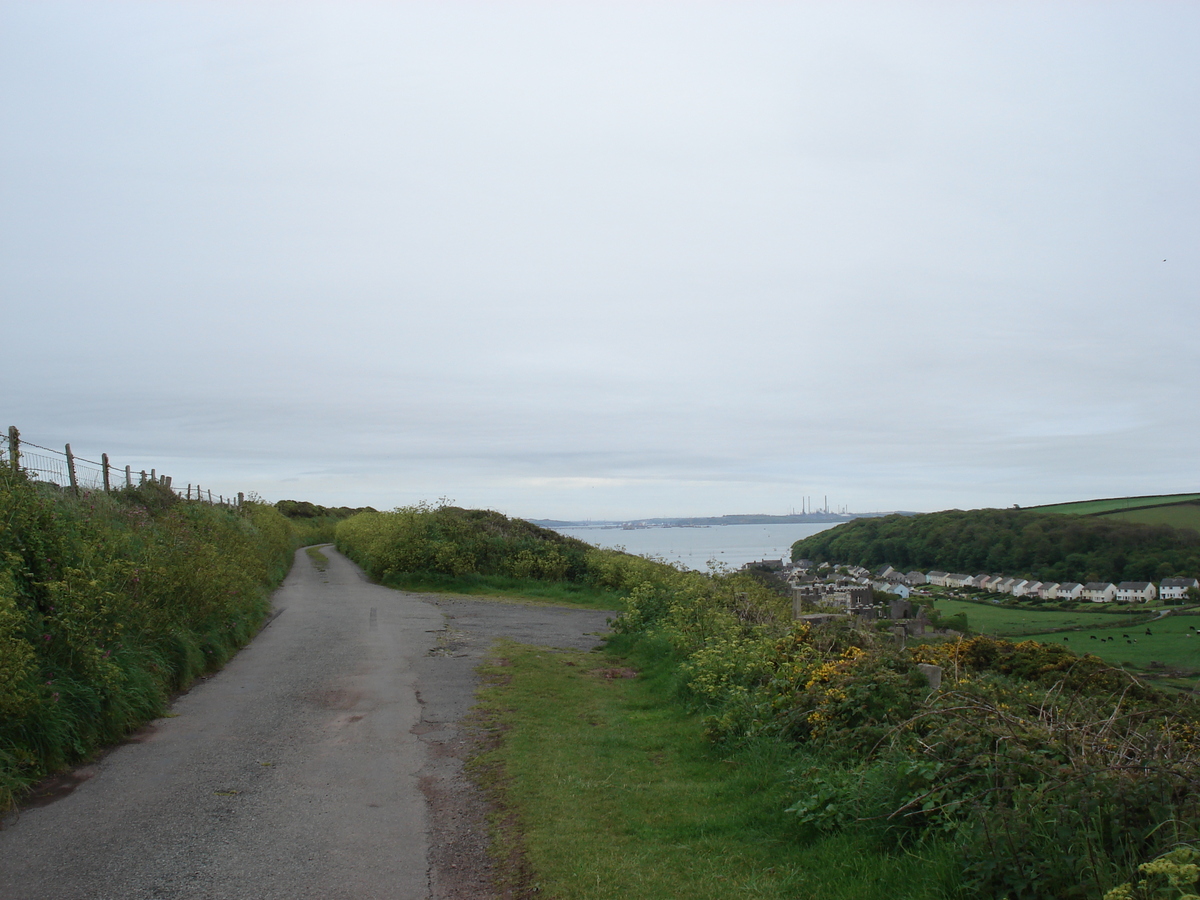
730, 545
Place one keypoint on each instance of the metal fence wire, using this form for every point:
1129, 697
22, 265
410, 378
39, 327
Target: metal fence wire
65, 470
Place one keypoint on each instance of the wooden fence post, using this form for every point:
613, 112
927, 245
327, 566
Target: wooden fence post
154, 475
189, 493
210, 496
71, 471
241, 498
128, 478
167, 481
143, 481
104, 465
14, 447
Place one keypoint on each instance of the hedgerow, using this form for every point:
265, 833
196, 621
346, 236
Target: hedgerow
109, 603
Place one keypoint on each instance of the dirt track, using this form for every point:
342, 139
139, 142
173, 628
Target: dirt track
323, 762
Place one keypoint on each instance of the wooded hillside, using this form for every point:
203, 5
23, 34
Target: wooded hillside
1028, 543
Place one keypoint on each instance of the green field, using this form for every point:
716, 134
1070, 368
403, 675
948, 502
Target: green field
1171, 642
1177, 515
1008, 621
1115, 504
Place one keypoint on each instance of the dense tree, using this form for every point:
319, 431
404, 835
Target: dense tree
1028, 543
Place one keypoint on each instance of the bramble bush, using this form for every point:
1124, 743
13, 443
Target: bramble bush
109, 603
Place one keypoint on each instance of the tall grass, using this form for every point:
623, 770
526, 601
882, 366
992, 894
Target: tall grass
109, 603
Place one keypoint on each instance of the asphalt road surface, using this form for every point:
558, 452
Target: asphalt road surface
324, 761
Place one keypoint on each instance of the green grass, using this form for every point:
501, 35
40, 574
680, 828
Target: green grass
1088, 507
610, 790
533, 590
1010, 621
319, 559
1171, 642
1178, 515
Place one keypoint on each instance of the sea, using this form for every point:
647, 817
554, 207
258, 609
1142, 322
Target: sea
729, 546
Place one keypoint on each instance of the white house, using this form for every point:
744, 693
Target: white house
1176, 588
1049, 590
1069, 590
1136, 592
1100, 591
938, 578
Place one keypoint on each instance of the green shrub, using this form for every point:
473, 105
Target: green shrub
109, 603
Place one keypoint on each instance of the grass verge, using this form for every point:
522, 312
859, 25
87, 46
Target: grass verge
605, 787
319, 559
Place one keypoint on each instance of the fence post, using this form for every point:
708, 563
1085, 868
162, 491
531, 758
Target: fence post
14, 447
189, 493
71, 471
153, 475
210, 496
104, 465
128, 478
143, 481
241, 498
167, 481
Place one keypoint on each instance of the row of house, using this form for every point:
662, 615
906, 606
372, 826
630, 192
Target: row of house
893, 581
1095, 591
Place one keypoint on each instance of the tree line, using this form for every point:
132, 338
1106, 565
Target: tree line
1027, 543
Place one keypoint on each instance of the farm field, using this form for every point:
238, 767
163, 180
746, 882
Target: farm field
1177, 515
1003, 621
1172, 641
1114, 504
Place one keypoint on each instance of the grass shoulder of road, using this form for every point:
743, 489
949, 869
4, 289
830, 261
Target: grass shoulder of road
319, 559
606, 787
517, 590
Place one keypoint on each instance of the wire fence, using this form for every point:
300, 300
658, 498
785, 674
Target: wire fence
65, 470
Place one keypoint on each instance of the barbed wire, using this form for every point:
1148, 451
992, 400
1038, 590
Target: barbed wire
63, 469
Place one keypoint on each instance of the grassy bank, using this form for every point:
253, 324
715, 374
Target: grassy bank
111, 602
610, 789
478, 552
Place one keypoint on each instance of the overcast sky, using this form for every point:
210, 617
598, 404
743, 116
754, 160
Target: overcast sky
620, 259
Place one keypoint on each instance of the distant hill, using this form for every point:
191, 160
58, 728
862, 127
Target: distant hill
748, 519
1031, 543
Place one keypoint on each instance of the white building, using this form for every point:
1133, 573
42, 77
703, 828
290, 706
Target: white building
1100, 591
1136, 592
1176, 588
1069, 590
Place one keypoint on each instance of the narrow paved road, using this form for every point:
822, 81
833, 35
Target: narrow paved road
315, 765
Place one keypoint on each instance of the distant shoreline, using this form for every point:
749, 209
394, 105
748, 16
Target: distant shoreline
819, 518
